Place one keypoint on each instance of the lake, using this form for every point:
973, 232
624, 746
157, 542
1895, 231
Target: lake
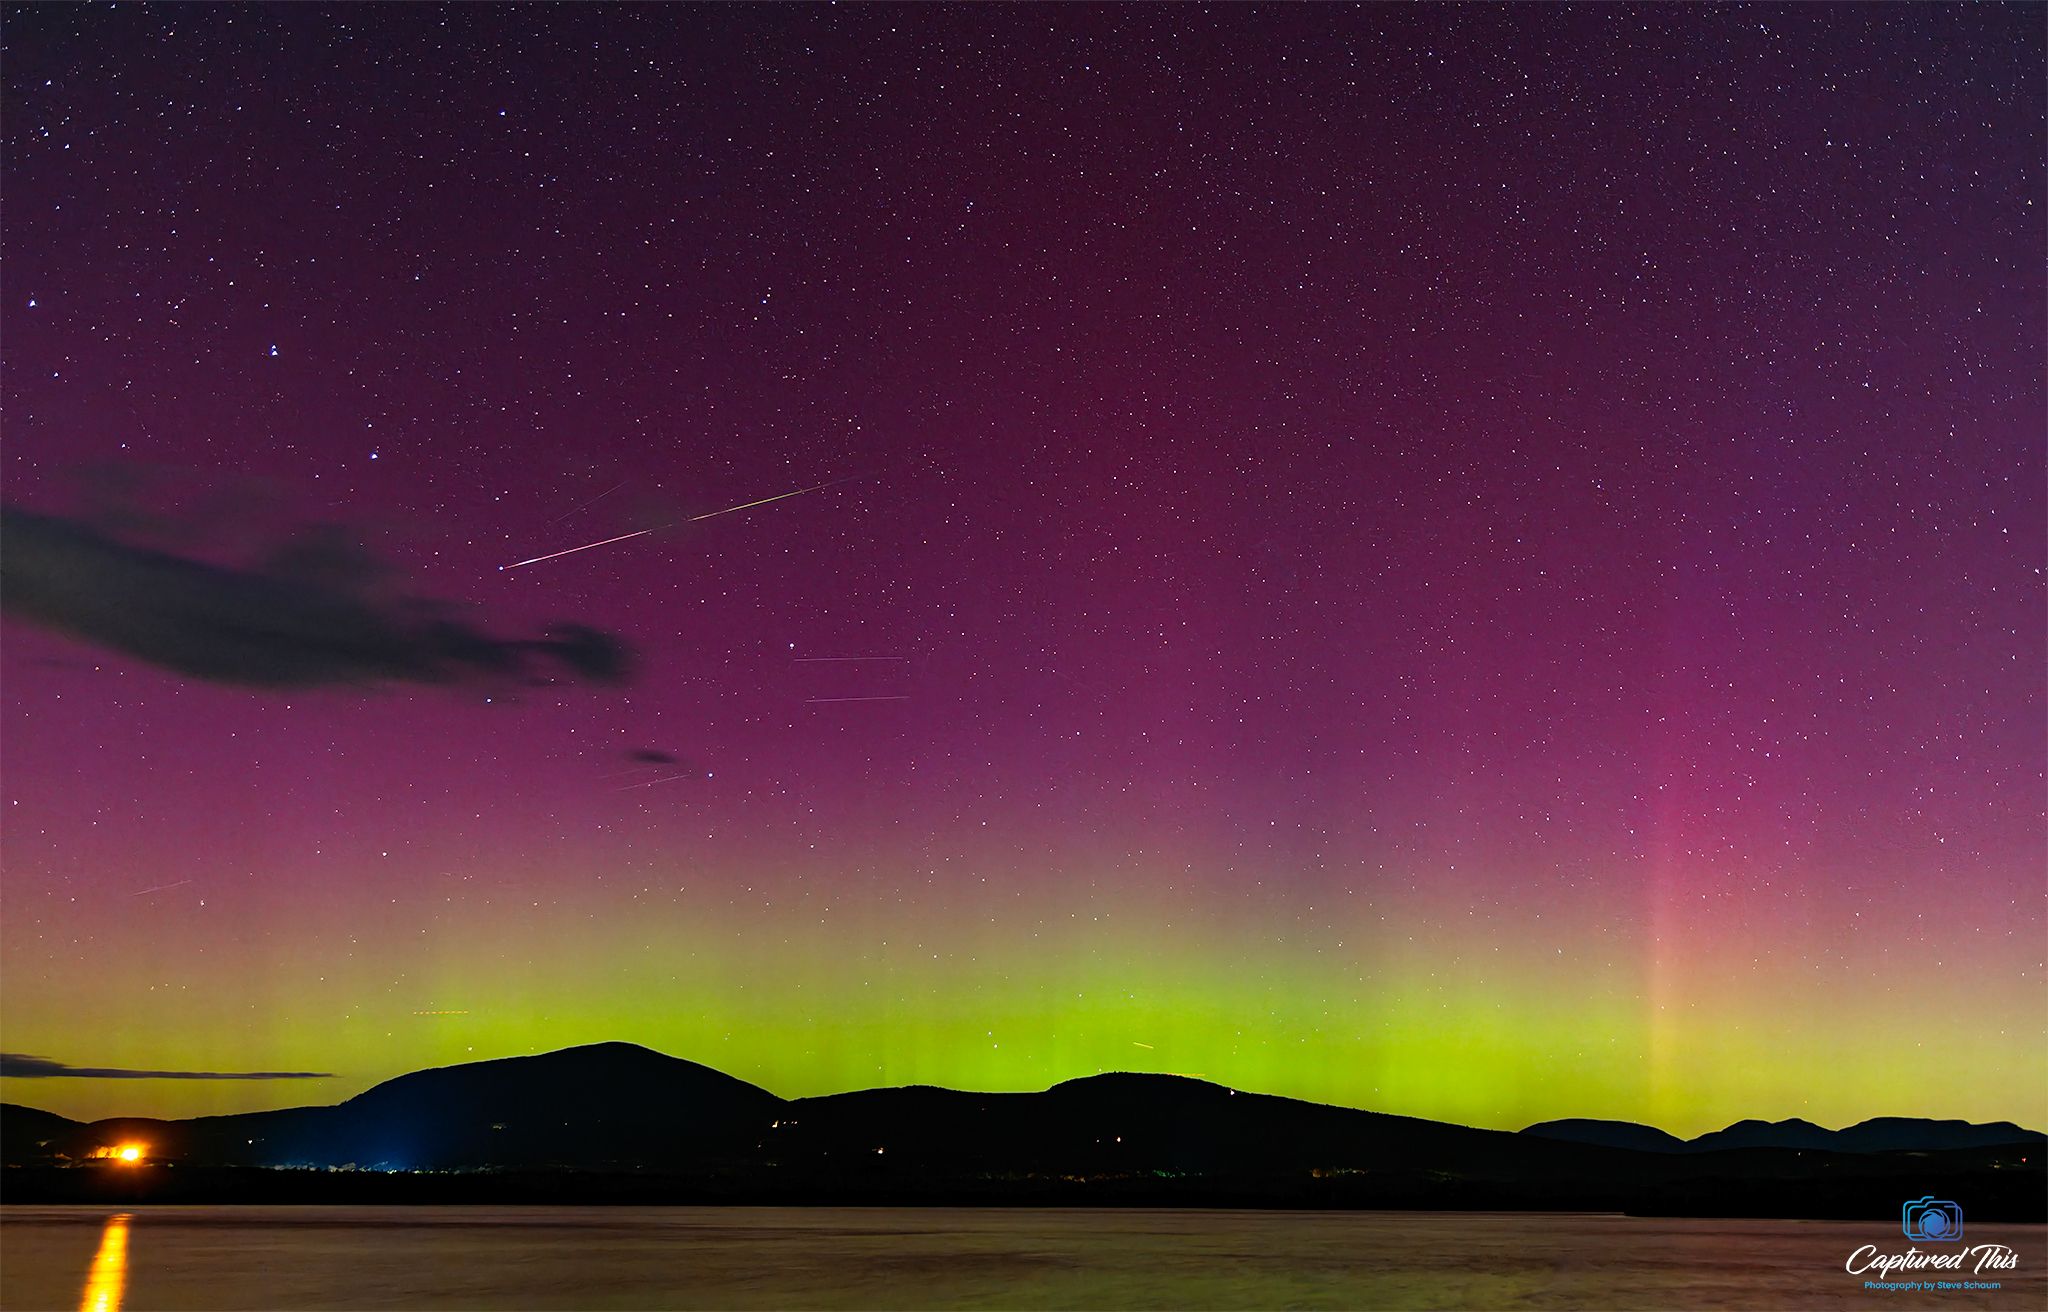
594, 1257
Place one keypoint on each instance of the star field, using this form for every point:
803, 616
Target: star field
1479, 562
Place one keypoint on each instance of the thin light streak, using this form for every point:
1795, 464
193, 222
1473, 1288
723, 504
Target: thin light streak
780, 496
652, 782
710, 514
573, 550
662, 780
896, 697
817, 660
159, 888
588, 504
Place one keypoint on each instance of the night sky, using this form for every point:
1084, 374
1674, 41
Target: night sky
1475, 562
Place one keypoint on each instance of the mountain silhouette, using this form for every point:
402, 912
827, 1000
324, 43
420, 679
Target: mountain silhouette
614, 1121
606, 1105
29, 1134
1132, 1122
1793, 1133
1884, 1134
1611, 1134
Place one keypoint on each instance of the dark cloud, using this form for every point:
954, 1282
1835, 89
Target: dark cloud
309, 616
648, 756
22, 1066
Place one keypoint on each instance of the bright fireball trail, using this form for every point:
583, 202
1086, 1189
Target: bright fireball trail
714, 514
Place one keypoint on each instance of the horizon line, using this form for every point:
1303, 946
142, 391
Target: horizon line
1098, 1073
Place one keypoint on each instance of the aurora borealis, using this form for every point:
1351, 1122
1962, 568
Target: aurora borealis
1483, 563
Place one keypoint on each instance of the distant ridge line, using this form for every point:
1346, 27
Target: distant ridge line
1877, 1134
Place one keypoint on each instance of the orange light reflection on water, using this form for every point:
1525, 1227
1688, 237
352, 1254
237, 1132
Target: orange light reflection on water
107, 1282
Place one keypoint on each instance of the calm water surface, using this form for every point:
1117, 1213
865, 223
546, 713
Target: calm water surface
586, 1258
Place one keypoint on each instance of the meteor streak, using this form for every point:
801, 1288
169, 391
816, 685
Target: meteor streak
588, 504
573, 550
765, 500
713, 514
652, 782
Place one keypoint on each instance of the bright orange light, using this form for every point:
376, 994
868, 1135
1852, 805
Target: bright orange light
131, 1153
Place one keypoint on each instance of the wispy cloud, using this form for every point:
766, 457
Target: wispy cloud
305, 618
22, 1066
